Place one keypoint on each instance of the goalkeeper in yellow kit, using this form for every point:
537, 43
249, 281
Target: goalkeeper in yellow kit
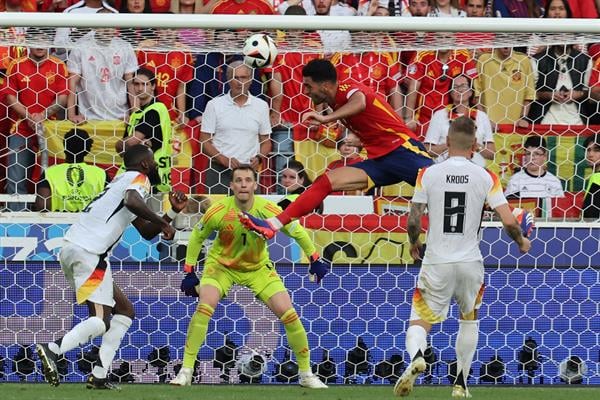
241, 257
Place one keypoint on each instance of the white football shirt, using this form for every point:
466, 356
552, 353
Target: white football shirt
104, 220
102, 91
455, 192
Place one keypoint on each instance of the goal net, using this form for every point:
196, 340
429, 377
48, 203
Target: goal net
520, 80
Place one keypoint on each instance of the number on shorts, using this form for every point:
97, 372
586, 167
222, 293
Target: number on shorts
454, 212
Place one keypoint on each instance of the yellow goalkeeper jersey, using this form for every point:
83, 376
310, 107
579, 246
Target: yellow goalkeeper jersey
235, 247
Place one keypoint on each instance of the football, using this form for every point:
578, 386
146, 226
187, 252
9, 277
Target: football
259, 51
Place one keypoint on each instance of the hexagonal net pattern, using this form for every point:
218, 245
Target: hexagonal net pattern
538, 310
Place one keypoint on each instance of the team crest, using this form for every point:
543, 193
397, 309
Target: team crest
117, 59
516, 75
176, 63
50, 77
377, 73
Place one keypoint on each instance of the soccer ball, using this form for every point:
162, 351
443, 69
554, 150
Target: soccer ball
259, 51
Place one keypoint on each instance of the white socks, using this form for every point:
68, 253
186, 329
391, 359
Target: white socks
466, 343
82, 333
416, 339
111, 340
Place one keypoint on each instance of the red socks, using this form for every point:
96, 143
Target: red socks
307, 201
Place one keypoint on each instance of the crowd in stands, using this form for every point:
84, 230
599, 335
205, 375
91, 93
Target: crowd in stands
231, 114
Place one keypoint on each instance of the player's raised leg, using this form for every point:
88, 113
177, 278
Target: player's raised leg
281, 305
340, 179
196, 334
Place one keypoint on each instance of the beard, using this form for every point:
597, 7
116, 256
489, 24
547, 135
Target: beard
154, 177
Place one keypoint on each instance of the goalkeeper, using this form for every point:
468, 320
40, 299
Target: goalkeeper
240, 257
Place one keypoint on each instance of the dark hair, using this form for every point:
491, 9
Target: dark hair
124, 10
301, 171
536, 141
147, 73
245, 167
295, 10
565, 3
592, 139
135, 154
77, 144
320, 70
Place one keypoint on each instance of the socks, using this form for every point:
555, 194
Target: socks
196, 334
111, 340
416, 340
307, 201
297, 339
466, 343
81, 333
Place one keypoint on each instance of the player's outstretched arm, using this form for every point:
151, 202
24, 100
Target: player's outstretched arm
149, 224
414, 229
512, 227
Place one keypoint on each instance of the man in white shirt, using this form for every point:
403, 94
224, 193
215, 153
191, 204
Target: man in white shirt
454, 193
534, 181
63, 35
235, 130
84, 261
100, 68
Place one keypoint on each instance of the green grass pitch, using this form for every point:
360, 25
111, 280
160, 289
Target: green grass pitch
13, 391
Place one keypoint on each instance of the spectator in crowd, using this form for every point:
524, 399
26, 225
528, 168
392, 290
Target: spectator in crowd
14, 35
338, 8
349, 149
63, 35
149, 124
72, 185
505, 86
285, 87
517, 9
173, 70
263, 7
417, 8
428, 82
591, 202
562, 74
135, 35
333, 40
583, 8
461, 96
378, 8
595, 81
446, 8
235, 130
100, 67
294, 181
476, 8
534, 181
37, 90
135, 7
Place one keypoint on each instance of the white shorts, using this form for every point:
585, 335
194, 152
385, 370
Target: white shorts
439, 283
89, 275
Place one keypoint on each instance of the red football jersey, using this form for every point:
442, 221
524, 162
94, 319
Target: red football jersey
378, 70
171, 69
243, 7
36, 86
436, 79
294, 102
379, 128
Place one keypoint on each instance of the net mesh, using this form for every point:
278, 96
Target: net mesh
538, 310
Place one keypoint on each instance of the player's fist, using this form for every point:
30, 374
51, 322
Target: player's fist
525, 221
319, 267
189, 283
178, 200
168, 232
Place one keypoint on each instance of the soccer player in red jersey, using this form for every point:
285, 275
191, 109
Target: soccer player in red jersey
394, 154
173, 70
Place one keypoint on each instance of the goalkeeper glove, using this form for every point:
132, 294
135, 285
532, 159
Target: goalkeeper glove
189, 282
525, 220
319, 267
